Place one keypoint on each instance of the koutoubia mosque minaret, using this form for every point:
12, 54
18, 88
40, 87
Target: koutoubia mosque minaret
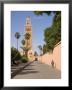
28, 43
28, 29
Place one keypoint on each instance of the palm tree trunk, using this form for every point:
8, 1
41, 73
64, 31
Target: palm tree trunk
17, 44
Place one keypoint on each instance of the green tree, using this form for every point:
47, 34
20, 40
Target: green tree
23, 48
17, 36
24, 59
27, 37
45, 49
56, 26
52, 35
41, 12
15, 55
49, 38
35, 53
40, 48
57, 14
23, 42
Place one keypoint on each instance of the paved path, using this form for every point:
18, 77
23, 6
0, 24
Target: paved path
37, 70
17, 68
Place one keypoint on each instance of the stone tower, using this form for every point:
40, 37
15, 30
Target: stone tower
28, 43
28, 29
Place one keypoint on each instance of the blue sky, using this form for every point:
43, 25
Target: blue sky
39, 23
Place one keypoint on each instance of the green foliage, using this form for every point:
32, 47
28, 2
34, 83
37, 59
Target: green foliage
23, 48
24, 59
41, 49
49, 38
15, 55
17, 35
41, 12
23, 42
35, 54
52, 35
45, 49
27, 36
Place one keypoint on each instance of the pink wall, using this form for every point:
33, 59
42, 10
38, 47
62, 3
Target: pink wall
56, 57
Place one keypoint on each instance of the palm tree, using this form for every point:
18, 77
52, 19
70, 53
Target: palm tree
40, 47
35, 54
27, 37
17, 35
23, 42
24, 49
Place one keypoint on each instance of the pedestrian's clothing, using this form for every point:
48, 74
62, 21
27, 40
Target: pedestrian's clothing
52, 63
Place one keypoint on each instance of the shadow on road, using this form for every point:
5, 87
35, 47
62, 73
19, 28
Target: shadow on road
37, 70
29, 69
31, 65
28, 72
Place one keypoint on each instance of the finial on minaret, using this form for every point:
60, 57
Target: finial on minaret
28, 21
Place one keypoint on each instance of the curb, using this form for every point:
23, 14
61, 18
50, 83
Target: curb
20, 69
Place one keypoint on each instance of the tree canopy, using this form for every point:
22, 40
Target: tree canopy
15, 54
17, 35
52, 35
27, 36
23, 42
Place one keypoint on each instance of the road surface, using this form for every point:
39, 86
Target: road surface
37, 70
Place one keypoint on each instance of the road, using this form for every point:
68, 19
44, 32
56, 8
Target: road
37, 70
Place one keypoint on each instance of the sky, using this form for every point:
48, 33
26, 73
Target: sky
39, 24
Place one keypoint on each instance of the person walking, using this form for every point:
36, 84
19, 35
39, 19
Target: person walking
52, 63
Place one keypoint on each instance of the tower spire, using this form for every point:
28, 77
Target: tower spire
28, 21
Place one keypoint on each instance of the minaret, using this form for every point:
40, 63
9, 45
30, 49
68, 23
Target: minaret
28, 29
28, 43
